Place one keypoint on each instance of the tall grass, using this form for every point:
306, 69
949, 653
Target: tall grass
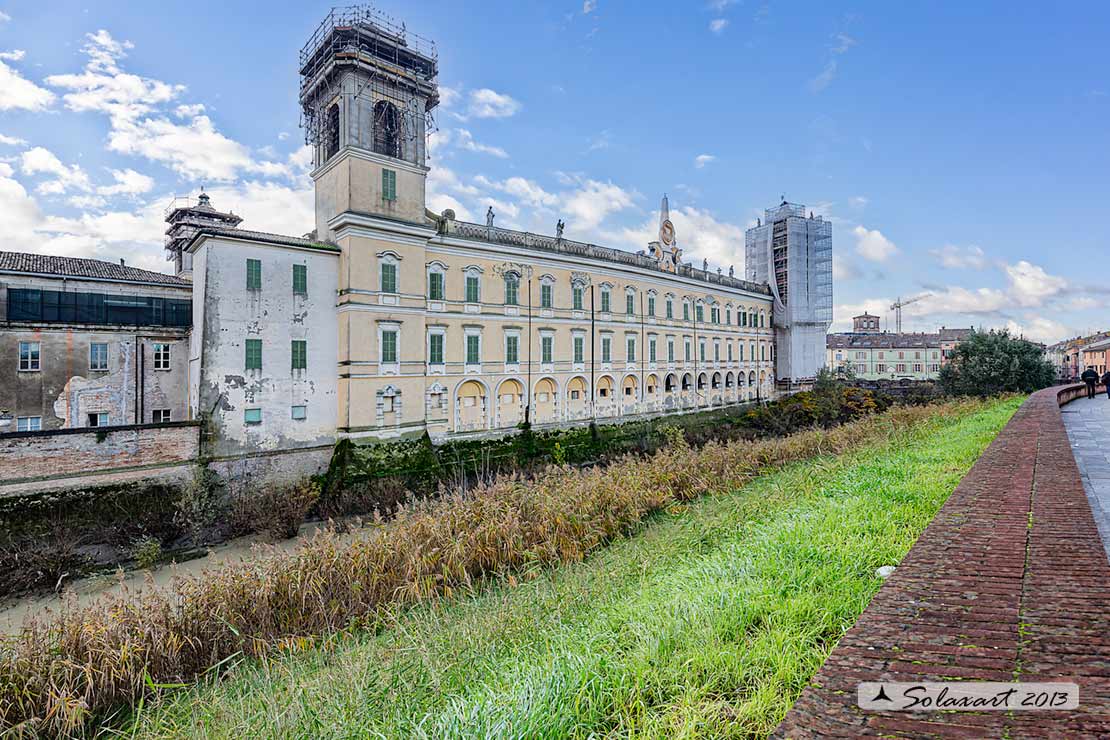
58, 675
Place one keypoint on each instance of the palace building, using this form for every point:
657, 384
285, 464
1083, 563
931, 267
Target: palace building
391, 320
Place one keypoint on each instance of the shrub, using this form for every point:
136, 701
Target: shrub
57, 675
146, 552
990, 363
276, 511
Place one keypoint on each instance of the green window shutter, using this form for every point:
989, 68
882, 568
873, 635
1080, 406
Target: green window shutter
435, 286
699, 313
631, 349
605, 301
685, 311
435, 349
300, 279
300, 354
472, 346
545, 296
511, 287
579, 347
577, 297
651, 305
512, 356
389, 346
389, 277
546, 346
606, 349
471, 288
629, 304
670, 351
389, 185
254, 354
254, 274
651, 351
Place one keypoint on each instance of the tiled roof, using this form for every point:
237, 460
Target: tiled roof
263, 236
882, 341
80, 267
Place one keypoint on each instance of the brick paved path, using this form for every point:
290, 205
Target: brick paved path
1088, 425
1009, 582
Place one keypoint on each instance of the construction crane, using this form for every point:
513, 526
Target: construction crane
897, 306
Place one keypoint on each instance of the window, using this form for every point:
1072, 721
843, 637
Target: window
740, 351
161, 356
332, 135
254, 274
763, 352
70, 307
253, 354
546, 291
670, 350
579, 349
98, 356
629, 303
860, 355
472, 288
547, 349
651, 305
917, 367
387, 129
605, 300
701, 350
687, 350
512, 349
160, 416
651, 350
512, 289
729, 350
389, 185
300, 280
300, 354
435, 349
28, 424
670, 309
728, 315
577, 289
473, 349
744, 318
880, 368
389, 346
606, 349
714, 315
299, 413
901, 368
699, 313
435, 286
631, 349
29, 356
389, 277
98, 419
252, 416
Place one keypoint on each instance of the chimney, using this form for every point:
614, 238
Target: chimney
122, 263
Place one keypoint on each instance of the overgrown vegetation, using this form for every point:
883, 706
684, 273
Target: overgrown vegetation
708, 622
56, 676
993, 362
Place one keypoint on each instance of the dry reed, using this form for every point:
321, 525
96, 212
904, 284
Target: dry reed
57, 676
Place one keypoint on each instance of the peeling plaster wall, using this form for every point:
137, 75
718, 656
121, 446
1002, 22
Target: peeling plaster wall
65, 389
226, 314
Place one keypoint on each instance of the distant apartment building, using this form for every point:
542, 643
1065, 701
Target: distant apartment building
1072, 356
873, 355
89, 343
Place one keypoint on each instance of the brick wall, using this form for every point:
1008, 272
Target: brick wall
70, 452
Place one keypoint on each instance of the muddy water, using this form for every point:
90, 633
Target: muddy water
14, 611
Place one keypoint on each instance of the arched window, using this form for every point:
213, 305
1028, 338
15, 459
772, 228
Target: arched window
387, 129
331, 133
512, 289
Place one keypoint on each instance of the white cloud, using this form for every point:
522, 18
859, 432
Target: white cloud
128, 182
959, 258
19, 93
872, 245
1040, 329
14, 55
720, 5
12, 140
41, 161
959, 300
700, 235
593, 202
466, 141
1030, 285
702, 160
588, 6
486, 103
843, 312
842, 269
601, 141
824, 78
4, 17
194, 149
858, 201
844, 42
718, 25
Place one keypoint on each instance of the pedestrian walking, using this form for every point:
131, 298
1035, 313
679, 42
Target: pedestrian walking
1106, 382
1090, 377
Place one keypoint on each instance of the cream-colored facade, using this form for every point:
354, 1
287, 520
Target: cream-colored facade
458, 328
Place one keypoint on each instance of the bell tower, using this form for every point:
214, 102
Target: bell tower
368, 89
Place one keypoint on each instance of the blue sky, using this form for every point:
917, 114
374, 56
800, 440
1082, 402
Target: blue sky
960, 149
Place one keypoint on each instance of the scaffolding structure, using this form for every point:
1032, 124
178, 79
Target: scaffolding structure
383, 75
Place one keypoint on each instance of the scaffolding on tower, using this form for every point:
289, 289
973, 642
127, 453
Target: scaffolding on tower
390, 60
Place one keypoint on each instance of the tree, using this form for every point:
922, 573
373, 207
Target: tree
993, 362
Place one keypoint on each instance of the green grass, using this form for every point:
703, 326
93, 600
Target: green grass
708, 621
